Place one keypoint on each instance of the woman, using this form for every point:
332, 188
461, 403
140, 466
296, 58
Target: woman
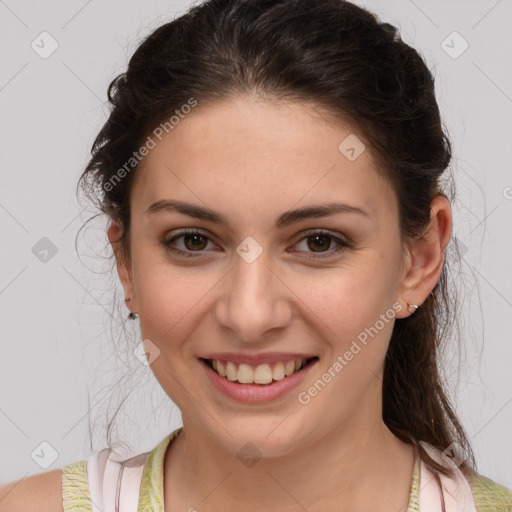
272, 172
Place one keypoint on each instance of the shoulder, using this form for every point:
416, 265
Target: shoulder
489, 496
41, 493
77, 485
59, 490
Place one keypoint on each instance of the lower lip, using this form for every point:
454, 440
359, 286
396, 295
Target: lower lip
251, 393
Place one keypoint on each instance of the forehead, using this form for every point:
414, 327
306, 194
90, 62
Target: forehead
244, 152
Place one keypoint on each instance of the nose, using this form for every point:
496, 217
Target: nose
254, 300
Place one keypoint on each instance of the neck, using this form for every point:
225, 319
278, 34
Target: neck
350, 469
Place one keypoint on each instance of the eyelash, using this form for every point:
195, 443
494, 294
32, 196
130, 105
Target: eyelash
342, 244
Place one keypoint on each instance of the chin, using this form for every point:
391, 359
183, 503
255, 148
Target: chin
263, 438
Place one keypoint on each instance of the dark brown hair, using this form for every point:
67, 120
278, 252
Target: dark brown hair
339, 56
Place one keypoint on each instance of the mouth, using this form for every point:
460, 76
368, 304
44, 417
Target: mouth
258, 375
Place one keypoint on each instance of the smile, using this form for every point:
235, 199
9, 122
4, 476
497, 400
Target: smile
262, 374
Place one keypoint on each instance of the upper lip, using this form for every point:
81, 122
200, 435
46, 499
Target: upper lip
261, 358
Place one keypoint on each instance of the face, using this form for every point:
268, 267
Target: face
256, 285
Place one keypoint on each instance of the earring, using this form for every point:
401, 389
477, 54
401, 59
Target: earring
131, 315
409, 306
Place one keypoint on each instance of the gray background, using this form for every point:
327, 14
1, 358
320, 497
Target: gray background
59, 329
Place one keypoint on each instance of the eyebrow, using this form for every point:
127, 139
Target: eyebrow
286, 219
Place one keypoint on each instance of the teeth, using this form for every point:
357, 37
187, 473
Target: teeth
261, 374
289, 368
278, 371
231, 371
220, 368
245, 374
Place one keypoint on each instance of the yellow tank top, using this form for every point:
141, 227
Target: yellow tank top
100, 484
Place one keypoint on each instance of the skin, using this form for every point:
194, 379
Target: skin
251, 161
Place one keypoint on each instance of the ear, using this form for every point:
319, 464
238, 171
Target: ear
425, 257
123, 266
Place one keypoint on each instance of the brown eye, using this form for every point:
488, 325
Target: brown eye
319, 243
187, 243
195, 242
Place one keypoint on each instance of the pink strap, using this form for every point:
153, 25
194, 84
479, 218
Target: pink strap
455, 490
115, 486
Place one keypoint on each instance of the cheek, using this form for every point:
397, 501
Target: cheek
347, 298
352, 310
169, 298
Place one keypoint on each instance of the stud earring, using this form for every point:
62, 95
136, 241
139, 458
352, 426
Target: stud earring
409, 306
131, 315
